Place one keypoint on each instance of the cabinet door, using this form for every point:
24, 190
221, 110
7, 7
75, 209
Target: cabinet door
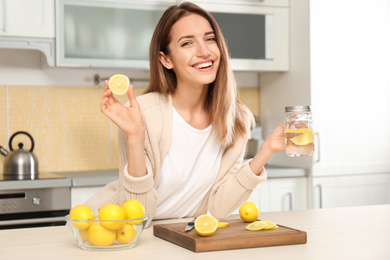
287, 194
280, 194
106, 33
27, 18
344, 191
79, 195
350, 82
260, 196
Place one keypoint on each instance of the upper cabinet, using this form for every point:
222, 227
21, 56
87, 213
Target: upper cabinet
118, 33
28, 24
256, 32
27, 18
106, 33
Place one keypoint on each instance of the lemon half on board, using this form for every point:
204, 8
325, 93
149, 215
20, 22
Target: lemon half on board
119, 84
206, 225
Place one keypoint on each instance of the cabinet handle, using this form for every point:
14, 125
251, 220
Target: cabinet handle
320, 194
4, 16
290, 201
317, 144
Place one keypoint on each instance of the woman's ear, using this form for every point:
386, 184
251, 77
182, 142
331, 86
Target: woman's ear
165, 61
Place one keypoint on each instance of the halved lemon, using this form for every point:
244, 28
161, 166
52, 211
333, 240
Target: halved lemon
206, 225
119, 84
257, 225
222, 224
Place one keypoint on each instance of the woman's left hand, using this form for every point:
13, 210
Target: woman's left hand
273, 144
275, 140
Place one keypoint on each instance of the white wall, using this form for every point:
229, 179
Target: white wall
278, 90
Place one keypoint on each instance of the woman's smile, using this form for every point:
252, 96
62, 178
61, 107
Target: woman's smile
204, 65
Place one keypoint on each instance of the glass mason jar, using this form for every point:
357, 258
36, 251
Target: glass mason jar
298, 131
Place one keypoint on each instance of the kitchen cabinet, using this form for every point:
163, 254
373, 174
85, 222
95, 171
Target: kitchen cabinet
280, 194
28, 24
358, 190
86, 183
112, 34
287, 194
27, 18
79, 195
264, 44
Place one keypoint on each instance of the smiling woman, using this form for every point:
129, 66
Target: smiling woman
182, 143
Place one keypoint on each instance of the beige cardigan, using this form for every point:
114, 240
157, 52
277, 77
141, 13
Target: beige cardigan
233, 185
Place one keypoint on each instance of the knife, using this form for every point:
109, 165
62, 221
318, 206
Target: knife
190, 225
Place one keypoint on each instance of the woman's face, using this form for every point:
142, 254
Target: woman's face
194, 53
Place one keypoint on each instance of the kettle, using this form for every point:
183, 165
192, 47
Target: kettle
20, 164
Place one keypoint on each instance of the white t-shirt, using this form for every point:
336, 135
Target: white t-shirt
188, 171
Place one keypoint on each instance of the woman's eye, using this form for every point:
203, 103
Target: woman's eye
211, 39
185, 44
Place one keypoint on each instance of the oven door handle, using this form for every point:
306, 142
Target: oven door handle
31, 221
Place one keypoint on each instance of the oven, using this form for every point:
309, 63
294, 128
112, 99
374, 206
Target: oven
40, 202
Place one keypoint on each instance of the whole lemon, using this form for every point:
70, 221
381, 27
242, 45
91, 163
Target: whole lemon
81, 212
134, 209
126, 234
101, 236
249, 211
84, 234
112, 212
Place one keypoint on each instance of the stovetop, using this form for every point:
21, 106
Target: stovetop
42, 181
40, 176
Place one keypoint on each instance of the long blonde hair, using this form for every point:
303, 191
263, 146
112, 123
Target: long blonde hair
229, 116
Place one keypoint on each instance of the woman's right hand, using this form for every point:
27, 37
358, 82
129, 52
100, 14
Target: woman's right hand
129, 119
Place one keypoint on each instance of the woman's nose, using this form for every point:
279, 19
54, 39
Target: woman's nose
203, 50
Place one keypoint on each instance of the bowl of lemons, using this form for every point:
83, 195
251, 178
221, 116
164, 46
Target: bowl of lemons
113, 227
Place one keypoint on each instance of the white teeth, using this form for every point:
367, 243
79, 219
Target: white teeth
203, 65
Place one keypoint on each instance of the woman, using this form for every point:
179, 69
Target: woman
181, 144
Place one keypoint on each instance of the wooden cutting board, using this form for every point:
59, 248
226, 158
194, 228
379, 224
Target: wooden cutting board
235, 236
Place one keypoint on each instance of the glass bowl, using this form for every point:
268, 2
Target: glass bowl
94, 234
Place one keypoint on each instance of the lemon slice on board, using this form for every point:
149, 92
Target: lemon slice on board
256, 226
269, 224
222, 224
119, 84
206, 225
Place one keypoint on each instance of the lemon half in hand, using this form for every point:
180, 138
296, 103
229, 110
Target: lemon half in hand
119, 84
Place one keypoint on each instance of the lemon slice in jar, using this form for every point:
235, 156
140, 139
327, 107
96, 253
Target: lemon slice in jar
304, 136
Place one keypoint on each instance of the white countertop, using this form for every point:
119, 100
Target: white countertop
339, 233
103, 177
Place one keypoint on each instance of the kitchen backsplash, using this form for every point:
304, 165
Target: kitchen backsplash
70, 132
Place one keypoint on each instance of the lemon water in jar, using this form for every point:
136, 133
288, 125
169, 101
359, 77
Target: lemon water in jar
298, 131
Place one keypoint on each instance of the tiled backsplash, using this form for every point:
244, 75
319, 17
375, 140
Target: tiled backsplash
70, 132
